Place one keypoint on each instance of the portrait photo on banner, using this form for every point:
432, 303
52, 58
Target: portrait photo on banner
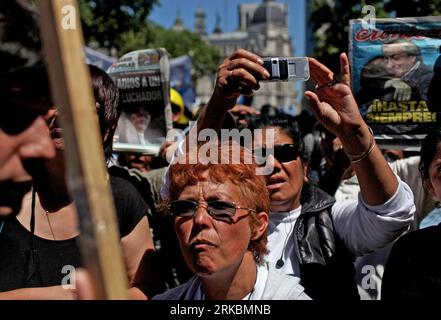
393, 64
143, 81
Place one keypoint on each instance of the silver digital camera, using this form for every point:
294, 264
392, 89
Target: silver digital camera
286, 69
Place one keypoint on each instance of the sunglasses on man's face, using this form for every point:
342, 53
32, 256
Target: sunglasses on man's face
218, 209
282, 152
17, 119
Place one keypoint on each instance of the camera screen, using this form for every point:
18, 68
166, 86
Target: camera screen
277, 68
283, 69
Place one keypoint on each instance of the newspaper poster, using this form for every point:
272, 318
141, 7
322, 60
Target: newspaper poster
143, 81
392, 66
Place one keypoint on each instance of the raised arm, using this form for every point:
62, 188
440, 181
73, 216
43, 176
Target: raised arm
335, 107
238, 74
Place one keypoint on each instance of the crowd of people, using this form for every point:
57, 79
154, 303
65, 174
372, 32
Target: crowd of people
331, 204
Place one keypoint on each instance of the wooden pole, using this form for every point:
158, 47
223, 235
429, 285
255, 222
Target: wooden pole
72, 93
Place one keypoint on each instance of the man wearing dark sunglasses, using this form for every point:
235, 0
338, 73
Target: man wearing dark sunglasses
219, 212
309, 235
24, 92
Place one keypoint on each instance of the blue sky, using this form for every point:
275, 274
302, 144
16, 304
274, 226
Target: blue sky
165, 15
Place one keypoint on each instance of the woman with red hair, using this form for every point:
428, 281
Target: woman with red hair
220, 215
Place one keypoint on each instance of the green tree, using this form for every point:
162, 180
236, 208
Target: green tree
330, 25
110, 23
123, 25
205, 56
414, 8
177, 43
330, 21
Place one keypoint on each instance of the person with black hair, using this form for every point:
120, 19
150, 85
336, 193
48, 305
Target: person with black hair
413, 270
38, 244
26, 103
310, 235
107, 108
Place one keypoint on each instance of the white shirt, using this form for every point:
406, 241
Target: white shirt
362, 227
407, 170
255, 294
280, 241
259, 286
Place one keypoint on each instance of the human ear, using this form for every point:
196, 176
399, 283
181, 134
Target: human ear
305, 172
261, 228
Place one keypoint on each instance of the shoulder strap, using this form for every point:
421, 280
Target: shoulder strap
3, 227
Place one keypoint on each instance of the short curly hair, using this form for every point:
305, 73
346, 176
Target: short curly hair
240, 173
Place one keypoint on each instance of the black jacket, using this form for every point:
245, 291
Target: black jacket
326, 267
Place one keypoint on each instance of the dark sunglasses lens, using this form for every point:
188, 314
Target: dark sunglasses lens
22, 108
222, 207
286, 153
221, 210
14, 122
182, 208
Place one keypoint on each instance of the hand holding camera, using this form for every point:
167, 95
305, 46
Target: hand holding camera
241, 72
238, 75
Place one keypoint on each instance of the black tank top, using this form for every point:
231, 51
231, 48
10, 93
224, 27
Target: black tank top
46, 265
50, 261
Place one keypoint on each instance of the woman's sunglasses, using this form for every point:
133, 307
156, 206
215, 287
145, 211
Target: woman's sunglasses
218, 209
282, 152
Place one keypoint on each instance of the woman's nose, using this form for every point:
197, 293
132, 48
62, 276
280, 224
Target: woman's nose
202, 217
35, 142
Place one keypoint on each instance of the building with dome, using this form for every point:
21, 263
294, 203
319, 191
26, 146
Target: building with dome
178, 25
263, 29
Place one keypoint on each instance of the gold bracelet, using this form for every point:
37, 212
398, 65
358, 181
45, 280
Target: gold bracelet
358, 157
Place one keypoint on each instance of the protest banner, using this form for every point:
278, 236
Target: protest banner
392, 66
143, 80
181, 79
